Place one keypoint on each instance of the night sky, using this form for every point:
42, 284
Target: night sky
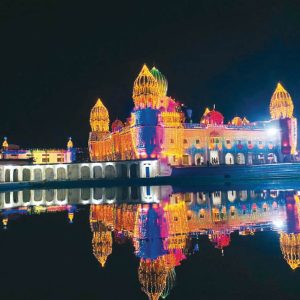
58, 57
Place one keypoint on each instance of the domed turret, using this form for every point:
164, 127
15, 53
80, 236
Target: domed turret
102, 244
237, 121
117, 125
99, 118
290, 248
162, 82
153, 277
212, 117
281, 105
145, 90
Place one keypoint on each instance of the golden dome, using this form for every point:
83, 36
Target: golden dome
237, 121
145, 89
162, 82
153, 276
290, 248
99, 118
281, 105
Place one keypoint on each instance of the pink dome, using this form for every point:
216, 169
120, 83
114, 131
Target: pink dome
212, 117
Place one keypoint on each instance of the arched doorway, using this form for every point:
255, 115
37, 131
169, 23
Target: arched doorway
240, 159
229, 159
98, 194
217, 198
15, 175
134, 172
26, 196
85, 172
49, 195
61, 194
199, 159
110, 172
231, 195
122, 170
214, 157
7, 175
49, 174
243, 195
38, 194
85, 194
97, 170
110, 193
37, 174
61, 173
272, 158
26, 175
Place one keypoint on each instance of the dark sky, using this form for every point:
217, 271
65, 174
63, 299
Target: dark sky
57, 57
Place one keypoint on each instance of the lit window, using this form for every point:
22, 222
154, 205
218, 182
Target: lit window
185, 141
172, 141
197, 142
227, 142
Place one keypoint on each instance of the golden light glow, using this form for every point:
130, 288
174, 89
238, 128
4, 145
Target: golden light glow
5, 143
99, 118
162, 82
281, 105
153, 277
102, 245
145, 89
70, 143
290, 248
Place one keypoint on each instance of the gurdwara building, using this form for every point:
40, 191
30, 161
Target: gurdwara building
161, 128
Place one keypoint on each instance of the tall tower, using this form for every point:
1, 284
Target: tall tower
281, 105
145, 90
99, 121
144, 118
281, 111
99, 118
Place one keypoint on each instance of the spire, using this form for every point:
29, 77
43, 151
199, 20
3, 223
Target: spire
99, 117
5, 143
281, 105
70, 143
145, 89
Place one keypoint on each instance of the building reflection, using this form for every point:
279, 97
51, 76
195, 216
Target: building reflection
165, 234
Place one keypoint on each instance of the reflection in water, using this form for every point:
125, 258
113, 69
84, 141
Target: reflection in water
166, 233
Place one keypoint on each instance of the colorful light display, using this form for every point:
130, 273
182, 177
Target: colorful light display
160, 127
166, 233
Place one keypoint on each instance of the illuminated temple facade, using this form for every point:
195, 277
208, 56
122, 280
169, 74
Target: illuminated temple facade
161, 128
